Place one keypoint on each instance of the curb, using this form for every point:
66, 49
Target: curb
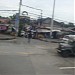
44, 40
56, 41
7, 38
53, 41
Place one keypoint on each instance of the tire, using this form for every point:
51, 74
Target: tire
65, 54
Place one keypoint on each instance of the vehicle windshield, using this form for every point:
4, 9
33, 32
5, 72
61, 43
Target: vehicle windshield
65, 41
67, 37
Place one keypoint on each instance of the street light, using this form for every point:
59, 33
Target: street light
52, 18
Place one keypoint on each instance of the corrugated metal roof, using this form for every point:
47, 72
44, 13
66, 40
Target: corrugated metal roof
42, 30
45, 30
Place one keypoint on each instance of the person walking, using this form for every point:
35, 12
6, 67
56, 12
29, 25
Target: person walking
29, 36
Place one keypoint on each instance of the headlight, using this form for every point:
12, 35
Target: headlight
62, 48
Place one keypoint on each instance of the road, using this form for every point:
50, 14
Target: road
17, 57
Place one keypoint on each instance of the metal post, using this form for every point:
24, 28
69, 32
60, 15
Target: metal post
19, 32
41, 18
52, 19
20, 7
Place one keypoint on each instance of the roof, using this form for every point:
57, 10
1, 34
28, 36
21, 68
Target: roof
45, 30
4, 18
4, 24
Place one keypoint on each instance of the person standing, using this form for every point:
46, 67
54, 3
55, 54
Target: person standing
29, 36
14, 32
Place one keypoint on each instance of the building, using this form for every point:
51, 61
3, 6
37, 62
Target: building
46, 22
4, 20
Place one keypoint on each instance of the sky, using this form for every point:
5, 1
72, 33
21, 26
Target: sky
64, 9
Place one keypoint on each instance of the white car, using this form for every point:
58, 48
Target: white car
66, 38
22, 33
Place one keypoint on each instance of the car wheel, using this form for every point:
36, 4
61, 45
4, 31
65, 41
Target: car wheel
65, 54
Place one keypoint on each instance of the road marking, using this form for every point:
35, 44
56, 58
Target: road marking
67, 68
24, 53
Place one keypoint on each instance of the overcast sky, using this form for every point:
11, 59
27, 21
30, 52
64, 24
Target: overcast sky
64, 9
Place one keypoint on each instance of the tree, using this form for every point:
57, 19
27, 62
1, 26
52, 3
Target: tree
0, 22
0, 16
12, 17
71, 24
9, 22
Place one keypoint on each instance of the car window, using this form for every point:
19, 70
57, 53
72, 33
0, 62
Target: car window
66, 37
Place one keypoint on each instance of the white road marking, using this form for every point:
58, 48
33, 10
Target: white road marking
24, 53
67, 68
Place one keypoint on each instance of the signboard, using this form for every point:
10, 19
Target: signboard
2, 27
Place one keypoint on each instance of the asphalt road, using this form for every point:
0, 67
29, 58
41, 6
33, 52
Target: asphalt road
18, 57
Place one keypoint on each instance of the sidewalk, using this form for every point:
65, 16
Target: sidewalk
6, 37
50, 40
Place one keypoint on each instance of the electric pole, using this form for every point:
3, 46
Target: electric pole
52, 23
19, 29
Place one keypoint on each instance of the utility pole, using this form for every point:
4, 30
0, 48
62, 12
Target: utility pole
52, 23
41, 17
19, 29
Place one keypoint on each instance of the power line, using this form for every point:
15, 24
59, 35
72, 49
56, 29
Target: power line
35, 14
42, 16
8, 10
35, 9
31, 7
57, 19
48, 16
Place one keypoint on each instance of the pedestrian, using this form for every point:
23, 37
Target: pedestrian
29, 36
14, 32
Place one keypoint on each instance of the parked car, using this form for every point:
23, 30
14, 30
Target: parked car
67, 48
67, 38
22, 33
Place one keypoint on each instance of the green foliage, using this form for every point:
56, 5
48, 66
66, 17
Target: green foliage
12, 17
71, 24
67, 25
